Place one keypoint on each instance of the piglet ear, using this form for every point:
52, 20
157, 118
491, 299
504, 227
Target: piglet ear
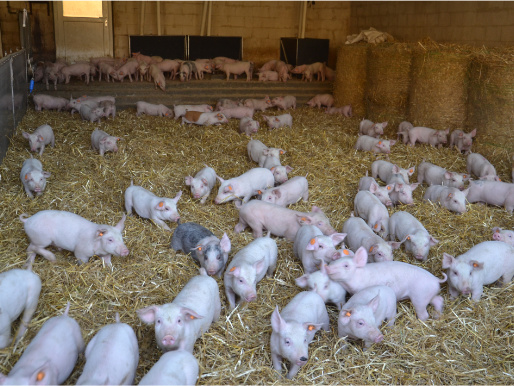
313, 245
277, 323
433, 241
220, 179
375, 302
234, 271
337, 238
495, 229
177, 197
25, 134
392, 142
204, 181
40, 138
277, 193
345, 316
312, 327
28, 176
225, 243
361, 257
473, 133
100, 232
160, 206
447, 260
189, 180
289, 169
189, 314
40, 376
147, 314
121, 224
302, 281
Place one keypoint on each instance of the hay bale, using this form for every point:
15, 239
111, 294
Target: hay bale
351, 74
491, 95
388, 81
439, 85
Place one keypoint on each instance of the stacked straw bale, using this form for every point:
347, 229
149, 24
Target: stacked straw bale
471, 343
439, 85
491, 95
388, 82
351, 75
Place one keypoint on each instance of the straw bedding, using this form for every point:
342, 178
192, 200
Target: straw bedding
471, 343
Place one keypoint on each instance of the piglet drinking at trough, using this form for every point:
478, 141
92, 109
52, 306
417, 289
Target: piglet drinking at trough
112, 356
408, 281
205, 248
287, 193
33, 177
248, 267
279, 221
19, 292
248, 126
177, 367
74, 233
367, 127
481, 265
103, 142
42, 136
367, 143
148, 205
462, 140
180, 323
50, 357
151, 109
202, 183
363, 314
404, 226
274, 122
319, 282
294, 329
451, 198
311, 246
244, 186
504, 235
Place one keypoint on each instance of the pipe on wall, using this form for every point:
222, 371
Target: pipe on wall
209, 19
204, 17
158, 18
142, 18
304, 19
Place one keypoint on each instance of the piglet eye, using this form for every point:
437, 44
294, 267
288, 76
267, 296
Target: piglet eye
159, 321
455, 273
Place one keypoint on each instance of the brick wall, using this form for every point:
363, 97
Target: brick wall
489, 23
260, 23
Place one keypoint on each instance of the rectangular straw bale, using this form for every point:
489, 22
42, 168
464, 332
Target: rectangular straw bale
351, 73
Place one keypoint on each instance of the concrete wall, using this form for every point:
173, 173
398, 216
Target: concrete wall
489, 23
260, 23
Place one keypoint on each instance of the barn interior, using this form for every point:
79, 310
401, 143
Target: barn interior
450, 66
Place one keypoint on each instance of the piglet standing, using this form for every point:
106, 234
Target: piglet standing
408, 281
279, 121
367, 143
426, 135
103, 142
180, 323
311, 246
257, 151
504, 235
258, 104
404, 226
321, 100
244, 186
202, 183
294, 329
483, 264
33, 177
203, 246
363, 314
319, 282
239, 112
177, 367
91, 113
19, 292
49, 102
112, 356
436, 175
42, 136
248, 267
451, 198
462, 140
290, 192
148, 205
51, 355
248, 126
74, 233
403, 130
284, 103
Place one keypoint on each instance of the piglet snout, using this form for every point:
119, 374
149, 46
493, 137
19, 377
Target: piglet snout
301, 361
124, 252
379, 338
168, 340
251, 297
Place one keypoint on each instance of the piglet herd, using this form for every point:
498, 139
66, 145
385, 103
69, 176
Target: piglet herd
357, 263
